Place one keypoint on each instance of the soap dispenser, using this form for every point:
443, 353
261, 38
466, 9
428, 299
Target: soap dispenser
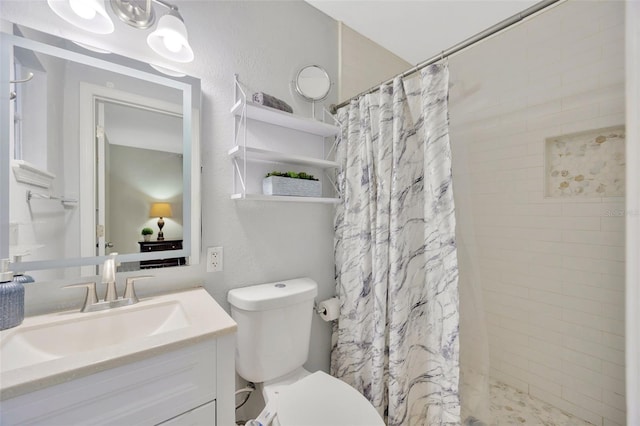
11, 298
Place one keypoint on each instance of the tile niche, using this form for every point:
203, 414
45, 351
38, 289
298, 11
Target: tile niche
586, 164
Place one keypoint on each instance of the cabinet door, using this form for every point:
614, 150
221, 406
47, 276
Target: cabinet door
145, 392
205, 415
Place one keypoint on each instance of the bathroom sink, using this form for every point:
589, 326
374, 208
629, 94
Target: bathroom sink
69, 336
50, 349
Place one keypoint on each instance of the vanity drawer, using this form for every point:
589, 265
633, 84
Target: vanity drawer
149, 391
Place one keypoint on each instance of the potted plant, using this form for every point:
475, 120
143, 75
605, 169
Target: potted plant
147, 233
298, 184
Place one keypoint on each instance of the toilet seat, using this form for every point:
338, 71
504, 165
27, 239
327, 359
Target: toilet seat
322, 400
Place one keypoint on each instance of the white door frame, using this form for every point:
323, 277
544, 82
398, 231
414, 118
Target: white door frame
90, 94
632, 294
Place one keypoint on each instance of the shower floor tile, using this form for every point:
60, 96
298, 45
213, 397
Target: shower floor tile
510, 406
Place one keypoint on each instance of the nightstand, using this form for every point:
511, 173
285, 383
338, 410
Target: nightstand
147, 246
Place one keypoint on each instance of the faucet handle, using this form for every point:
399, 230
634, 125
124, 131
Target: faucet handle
130, 290
91, 297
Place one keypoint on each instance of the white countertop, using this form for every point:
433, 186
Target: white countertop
206, 320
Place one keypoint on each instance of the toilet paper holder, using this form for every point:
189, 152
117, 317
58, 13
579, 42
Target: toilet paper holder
328, 310
317, 309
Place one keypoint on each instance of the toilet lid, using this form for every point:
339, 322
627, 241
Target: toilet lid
322, 400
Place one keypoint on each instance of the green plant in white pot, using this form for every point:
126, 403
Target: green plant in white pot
298, 184
147, 233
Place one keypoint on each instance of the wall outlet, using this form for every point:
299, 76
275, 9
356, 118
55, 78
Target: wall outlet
214, 259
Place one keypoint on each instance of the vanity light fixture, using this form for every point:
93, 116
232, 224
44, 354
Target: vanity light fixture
160, 210
169, 39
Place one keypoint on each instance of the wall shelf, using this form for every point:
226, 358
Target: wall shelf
259, 154
261, 197
263, 144
284, 119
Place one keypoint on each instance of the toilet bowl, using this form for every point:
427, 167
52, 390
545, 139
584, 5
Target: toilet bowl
322, 400
274, 329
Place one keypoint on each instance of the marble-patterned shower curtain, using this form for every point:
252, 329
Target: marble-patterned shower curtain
396, 339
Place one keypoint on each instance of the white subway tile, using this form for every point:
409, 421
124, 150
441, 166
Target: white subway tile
582, 305
543, 357
614, 414
545, 384
614, 400
612, 224
594, 237
613, 370
614, 385
594, 265
585, 333
585, 388
613, 341
582, 400
581, 365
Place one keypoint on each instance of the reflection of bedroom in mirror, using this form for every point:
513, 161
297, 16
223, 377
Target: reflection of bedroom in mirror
141, 149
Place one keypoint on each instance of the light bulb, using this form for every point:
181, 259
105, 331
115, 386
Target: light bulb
172, 43
82, 8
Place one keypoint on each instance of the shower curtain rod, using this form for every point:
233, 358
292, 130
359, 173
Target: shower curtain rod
458, 47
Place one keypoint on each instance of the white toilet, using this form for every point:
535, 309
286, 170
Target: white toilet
274, 327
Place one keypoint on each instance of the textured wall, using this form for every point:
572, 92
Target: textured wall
551, 270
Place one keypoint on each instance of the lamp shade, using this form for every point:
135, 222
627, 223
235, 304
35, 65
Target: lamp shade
160, 210
170, 40
89, 15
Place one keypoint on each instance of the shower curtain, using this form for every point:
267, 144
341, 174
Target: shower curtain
396, 339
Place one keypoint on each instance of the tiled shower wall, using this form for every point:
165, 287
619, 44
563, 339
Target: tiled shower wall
551, 270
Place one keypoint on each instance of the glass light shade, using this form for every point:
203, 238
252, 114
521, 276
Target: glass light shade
170, 41
167, 71
94, 16
160, 210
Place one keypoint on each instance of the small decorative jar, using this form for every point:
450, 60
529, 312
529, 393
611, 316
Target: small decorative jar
11, 298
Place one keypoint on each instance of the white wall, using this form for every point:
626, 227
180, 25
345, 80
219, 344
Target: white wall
265, 42
364, 64
132, 176
551, 270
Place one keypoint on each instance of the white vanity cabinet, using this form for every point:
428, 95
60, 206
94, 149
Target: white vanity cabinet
168, 359
192, 385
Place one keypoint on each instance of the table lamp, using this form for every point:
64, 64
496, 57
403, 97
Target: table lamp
160, 210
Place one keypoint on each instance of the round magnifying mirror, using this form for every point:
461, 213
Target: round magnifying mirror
313, 83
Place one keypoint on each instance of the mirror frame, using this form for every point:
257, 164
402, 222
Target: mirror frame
301, 92
191, 153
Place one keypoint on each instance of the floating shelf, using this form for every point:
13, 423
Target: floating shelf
285, 119
31, 174
259, 154
261, 197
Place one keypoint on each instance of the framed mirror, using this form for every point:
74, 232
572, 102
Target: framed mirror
90, 147
313, 83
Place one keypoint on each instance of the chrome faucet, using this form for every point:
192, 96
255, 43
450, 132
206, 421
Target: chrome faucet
111, 300
109, 278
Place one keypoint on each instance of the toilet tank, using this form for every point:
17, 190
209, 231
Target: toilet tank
274, 327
